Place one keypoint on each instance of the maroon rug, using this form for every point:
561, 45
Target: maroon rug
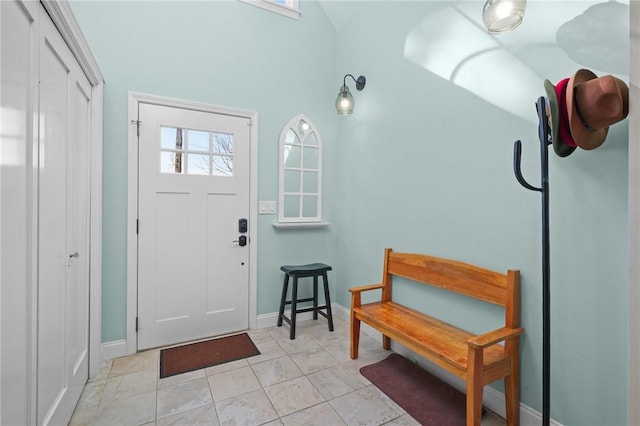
195, 356
426, 398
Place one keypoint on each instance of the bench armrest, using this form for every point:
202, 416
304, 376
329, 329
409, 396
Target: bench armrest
495, 336
362, 288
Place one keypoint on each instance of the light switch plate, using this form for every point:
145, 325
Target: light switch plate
267, 207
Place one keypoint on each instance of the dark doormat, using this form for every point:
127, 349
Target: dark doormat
195, 356
426, 398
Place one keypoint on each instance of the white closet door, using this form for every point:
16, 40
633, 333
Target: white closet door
63, 279
18, 72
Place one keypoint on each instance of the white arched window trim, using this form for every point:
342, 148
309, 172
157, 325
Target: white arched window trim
300, 175
290, 8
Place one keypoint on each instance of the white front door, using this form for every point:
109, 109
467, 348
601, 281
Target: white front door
193, 191
63, 229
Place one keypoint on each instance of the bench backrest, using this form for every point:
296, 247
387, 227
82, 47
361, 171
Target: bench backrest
459, 277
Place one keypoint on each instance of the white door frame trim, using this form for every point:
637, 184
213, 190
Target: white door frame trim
132, 202
64, 20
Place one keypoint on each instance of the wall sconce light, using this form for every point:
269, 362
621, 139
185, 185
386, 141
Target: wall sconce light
344, 101
502, 16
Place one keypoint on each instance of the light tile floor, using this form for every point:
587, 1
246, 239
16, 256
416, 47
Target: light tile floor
307, 381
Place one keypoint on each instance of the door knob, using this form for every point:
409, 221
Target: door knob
72, 256
242, 240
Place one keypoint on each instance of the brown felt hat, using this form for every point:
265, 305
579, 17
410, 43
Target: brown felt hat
593, 104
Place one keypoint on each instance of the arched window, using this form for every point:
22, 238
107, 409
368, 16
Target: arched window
300, 186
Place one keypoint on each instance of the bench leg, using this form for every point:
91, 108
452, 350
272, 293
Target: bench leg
386, 342
512, 400
355, 336
475, 366
512, 385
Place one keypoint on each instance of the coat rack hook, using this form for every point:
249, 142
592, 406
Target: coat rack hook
517, 154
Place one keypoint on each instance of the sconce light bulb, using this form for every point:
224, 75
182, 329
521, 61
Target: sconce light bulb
304, 126
504, 10
502, 16
344, 101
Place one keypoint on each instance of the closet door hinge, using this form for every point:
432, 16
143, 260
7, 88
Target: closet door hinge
137, 226
137, 123
136, 324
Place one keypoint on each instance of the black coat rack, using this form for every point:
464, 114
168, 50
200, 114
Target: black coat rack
544, 135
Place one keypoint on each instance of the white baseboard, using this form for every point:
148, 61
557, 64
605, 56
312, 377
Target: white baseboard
492, 399
114, 349
267, 320
341, 312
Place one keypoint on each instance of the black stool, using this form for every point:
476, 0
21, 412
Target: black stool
299, 271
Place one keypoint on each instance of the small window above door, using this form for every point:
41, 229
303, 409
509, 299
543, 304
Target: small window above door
195, 152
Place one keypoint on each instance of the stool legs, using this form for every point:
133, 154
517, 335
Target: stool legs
283, 299
294, 302
294, 308
327, 301
315, 297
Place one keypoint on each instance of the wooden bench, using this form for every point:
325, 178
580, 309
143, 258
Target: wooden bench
476, 359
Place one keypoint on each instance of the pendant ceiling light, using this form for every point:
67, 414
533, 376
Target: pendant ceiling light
502, 16
344, 101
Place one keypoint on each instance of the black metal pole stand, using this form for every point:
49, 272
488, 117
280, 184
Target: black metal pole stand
545, 139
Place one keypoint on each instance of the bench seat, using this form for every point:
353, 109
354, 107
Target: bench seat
427, 335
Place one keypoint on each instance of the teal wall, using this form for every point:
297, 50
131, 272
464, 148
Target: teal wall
222, 53
426, 166
422, 165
